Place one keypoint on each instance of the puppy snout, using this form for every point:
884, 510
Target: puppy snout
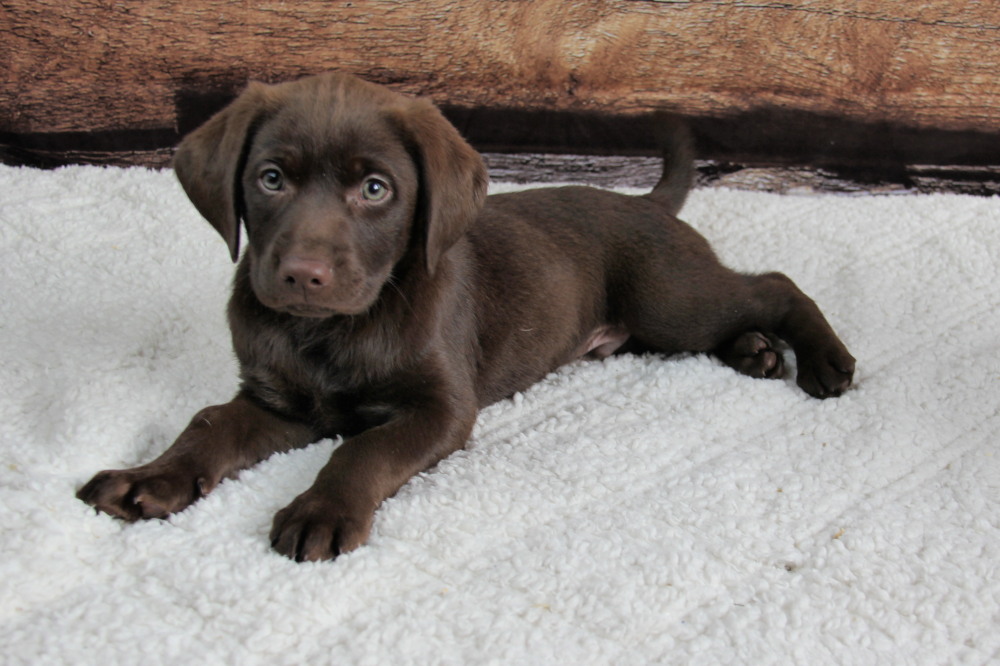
308, 274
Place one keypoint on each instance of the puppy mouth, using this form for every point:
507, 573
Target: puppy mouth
311, 311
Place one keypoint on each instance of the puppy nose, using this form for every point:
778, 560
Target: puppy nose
310, 274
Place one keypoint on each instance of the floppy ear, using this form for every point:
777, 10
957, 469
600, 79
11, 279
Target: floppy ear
453, 178
210, 159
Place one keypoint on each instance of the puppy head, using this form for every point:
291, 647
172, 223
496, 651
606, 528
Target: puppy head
336, 180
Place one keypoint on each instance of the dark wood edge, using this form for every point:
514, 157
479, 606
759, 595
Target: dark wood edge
769, 149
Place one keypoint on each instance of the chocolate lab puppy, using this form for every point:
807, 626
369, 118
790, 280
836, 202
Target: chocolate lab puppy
384, 297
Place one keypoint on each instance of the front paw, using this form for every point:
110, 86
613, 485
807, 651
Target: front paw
316, 526
827, 373
144, 492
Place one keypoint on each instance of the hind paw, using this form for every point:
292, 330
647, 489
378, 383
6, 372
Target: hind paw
826, 373
753, 354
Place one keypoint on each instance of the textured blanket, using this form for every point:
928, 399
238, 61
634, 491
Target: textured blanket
633, 510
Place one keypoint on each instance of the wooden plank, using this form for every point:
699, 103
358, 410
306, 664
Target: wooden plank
643, 172
85, 77
91, 65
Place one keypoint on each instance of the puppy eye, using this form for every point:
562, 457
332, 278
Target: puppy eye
374, 190
272, 180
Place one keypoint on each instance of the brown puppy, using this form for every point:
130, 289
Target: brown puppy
383, 297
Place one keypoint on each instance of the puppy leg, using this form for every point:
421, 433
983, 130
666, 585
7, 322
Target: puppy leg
218, 443
737, 316
775, 304
335, 515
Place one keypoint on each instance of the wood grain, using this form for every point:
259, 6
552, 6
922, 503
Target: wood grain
104, 66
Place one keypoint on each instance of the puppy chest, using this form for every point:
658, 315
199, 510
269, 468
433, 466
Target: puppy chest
314, 384
331, 407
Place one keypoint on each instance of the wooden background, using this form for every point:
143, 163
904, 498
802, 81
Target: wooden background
865, 86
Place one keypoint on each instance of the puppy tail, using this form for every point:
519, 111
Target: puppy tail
675, 139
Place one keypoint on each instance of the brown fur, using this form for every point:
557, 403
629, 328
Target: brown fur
383, 297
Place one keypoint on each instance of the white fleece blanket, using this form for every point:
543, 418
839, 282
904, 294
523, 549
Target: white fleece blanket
636, 510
